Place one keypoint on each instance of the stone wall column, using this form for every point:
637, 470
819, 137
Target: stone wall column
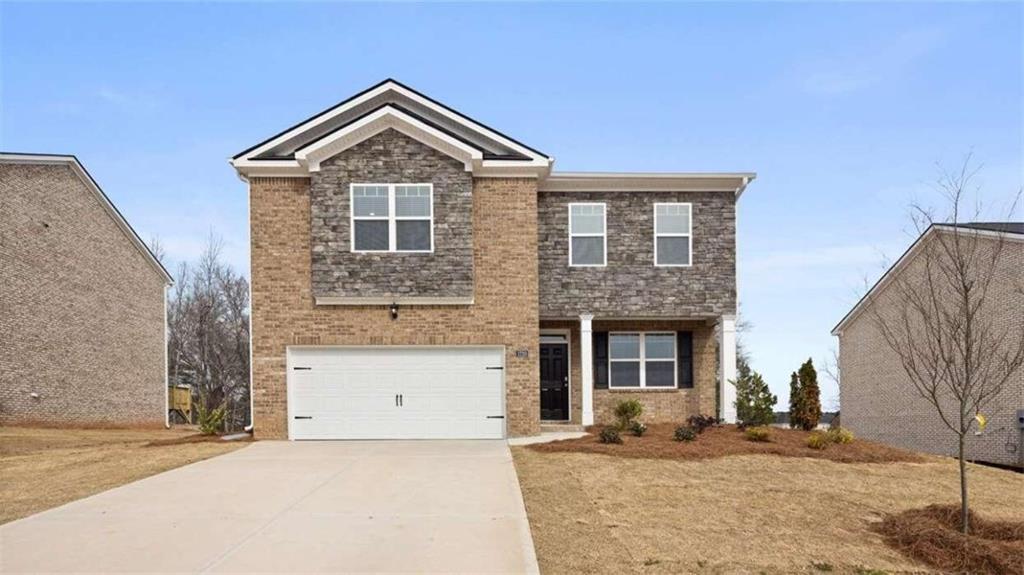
586, 370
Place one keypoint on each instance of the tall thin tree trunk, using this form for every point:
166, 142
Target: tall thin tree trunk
963, 489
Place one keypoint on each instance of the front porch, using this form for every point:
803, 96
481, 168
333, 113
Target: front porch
588, 365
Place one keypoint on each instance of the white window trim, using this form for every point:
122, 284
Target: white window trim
643, 360
391, 218
689, 236
603, 236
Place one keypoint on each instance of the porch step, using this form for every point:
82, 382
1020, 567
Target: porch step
557, 427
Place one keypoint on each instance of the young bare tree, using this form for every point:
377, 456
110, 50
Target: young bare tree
208, 320
936, 316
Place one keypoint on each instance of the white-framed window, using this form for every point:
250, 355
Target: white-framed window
673, 235
588, 238
642, 360
392, 217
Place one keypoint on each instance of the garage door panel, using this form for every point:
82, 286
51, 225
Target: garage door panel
350, 393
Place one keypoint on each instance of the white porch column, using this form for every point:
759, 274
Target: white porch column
587, 369
727, 369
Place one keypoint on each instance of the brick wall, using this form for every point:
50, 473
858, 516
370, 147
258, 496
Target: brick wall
879, 402
660, 406
81, 309
630, 285
392, 157
505, 309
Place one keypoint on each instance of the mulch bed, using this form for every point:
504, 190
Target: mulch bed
932, 535
197, 438
719, 441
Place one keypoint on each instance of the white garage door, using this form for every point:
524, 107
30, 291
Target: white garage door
396, 393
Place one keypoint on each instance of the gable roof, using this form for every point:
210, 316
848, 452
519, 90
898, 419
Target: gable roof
404, 107
1006, 230
83, 174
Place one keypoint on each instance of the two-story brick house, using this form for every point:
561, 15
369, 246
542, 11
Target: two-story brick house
417, 274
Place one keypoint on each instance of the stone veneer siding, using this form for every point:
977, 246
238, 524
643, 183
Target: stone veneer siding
81, 309
660, 406
392, 158
878, 401
505, 310
630, 285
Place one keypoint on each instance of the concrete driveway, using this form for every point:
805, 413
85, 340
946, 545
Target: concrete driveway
369, 506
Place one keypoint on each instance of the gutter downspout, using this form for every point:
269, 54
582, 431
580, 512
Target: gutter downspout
167, 395
248, 206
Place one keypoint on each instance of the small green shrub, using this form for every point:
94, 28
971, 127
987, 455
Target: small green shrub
818, 440
627, 412
684, 433
211, 421
840, 435
638, 429
760, 433
610, 435
701, 422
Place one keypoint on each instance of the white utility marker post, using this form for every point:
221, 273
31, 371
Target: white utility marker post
587, 368
727, 369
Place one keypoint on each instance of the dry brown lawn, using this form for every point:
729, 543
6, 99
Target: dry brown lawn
593, 513
44, 468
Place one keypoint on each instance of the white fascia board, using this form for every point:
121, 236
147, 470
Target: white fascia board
387, 117
86, 178
391, 86
647, 182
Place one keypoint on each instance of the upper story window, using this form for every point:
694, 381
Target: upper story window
392, 217
642, 360
588, 240
673, 234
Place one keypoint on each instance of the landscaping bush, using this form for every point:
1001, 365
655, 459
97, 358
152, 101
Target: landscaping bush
760, 433
610, 435
818, 440
627, 412
211, 421
755, 404
638, 429
684, 433
701, 422
840, 435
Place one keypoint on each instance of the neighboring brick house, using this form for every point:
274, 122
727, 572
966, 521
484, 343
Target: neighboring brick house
82, 338
472, 291
878, 401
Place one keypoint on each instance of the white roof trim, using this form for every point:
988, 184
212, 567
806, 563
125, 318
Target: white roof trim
394, 87
308, 158
647, 182
906, 257
375, 123
80, 171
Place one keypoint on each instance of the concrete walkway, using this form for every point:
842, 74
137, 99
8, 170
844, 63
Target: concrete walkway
369, 506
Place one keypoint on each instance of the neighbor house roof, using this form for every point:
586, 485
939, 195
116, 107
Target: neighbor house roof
90, 183
1008, 230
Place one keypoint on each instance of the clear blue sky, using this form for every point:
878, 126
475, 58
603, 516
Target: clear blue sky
842, 109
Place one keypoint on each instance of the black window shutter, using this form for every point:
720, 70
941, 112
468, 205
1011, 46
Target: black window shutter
600, 359
684, 343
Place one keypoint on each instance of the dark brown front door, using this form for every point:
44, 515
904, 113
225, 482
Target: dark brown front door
554, 381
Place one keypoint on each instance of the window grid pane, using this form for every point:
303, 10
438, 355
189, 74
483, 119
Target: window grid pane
625, 374
673, 250
659, 346
624, 346
412, 235
370, 235
672, 219
587, 251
